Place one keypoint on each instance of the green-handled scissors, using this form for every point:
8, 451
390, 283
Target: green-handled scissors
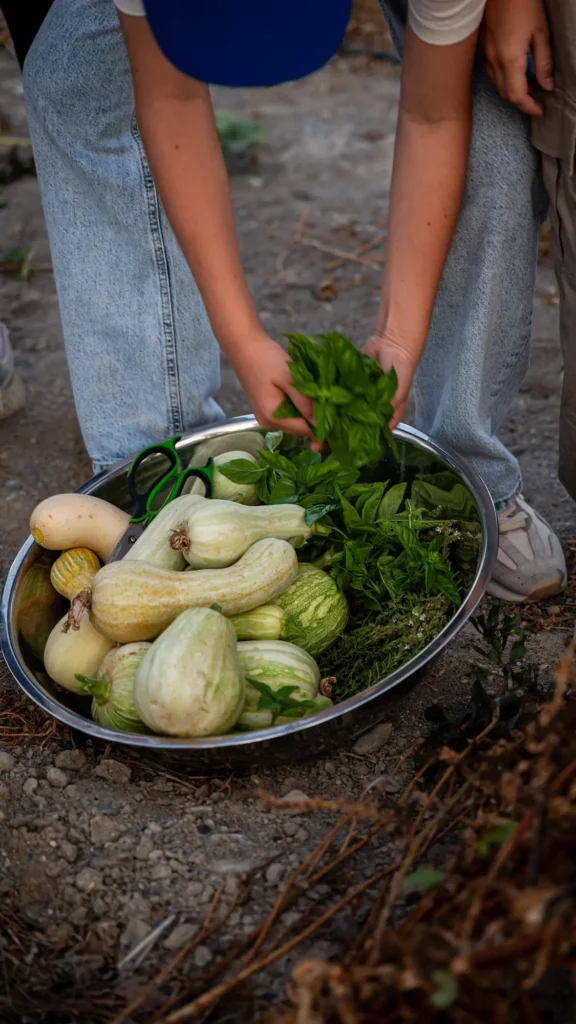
172, 479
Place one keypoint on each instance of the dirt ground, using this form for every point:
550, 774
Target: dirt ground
94, 841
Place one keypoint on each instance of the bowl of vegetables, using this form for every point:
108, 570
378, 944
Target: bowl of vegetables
270, 621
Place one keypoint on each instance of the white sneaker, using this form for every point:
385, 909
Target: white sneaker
530, 564
12, 393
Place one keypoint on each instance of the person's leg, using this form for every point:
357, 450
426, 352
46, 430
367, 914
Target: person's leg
561, 185
143, 360
478, 348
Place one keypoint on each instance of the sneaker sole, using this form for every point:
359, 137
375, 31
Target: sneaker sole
495, 590
12, 398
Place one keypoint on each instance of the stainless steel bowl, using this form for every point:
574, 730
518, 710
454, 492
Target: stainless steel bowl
419, 456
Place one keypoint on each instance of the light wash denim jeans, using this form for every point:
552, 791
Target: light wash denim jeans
478, 347
143, 360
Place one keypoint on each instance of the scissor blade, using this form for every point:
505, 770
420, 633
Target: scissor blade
134, 531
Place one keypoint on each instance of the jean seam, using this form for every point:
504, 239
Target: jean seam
163, 270
504, 503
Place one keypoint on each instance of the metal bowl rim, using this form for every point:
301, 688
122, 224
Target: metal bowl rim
10, 646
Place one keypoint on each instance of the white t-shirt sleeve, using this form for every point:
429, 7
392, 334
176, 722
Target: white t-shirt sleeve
130, 7
444, 22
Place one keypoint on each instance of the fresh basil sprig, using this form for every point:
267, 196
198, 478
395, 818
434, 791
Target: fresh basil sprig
305, 480
280, 701
351, 394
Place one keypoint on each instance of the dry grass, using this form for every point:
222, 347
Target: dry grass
467, 944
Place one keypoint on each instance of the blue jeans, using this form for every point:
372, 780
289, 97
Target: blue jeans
478, 346
142, 357
143, 360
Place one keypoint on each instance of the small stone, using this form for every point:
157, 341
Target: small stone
179, 936
72, 760
388, 785
55, 868
135, 932
290, 828
114, 771
202, 956
145, 848
288, 785
5, 793
57, 778
137, 907
99, 906
161, 872
194, 889
274, 873
104, 829
88, 880
68, 851
330, 768
30, 787
7, 761
374, 739
108, 932
294, 796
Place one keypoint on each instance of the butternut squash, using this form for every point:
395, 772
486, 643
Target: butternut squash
135, 601
75, 647
78, 521
154, 545
217, 533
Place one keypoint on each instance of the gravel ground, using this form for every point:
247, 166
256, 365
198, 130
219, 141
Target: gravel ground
96, 841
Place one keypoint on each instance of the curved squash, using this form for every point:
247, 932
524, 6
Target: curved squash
217, 533
78, 521
154, 545
190, 682
135, 601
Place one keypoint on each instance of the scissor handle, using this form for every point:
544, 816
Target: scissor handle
144, 500
203, 473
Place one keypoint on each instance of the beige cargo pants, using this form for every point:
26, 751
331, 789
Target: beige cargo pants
555, 136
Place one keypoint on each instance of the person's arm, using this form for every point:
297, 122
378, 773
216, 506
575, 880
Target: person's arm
511, 29
176, 123
429, 170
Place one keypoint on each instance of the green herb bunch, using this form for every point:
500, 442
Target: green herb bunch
378, 553
306, 479
378, 544
383, 642
352, 397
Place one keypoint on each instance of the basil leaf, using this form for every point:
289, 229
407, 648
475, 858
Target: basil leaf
315, 512
241, 471
283, 492
273, 440
391, 501
287, 410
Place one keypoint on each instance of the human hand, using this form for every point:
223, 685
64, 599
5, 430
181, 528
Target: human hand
510, 29
390, 352
261, 366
